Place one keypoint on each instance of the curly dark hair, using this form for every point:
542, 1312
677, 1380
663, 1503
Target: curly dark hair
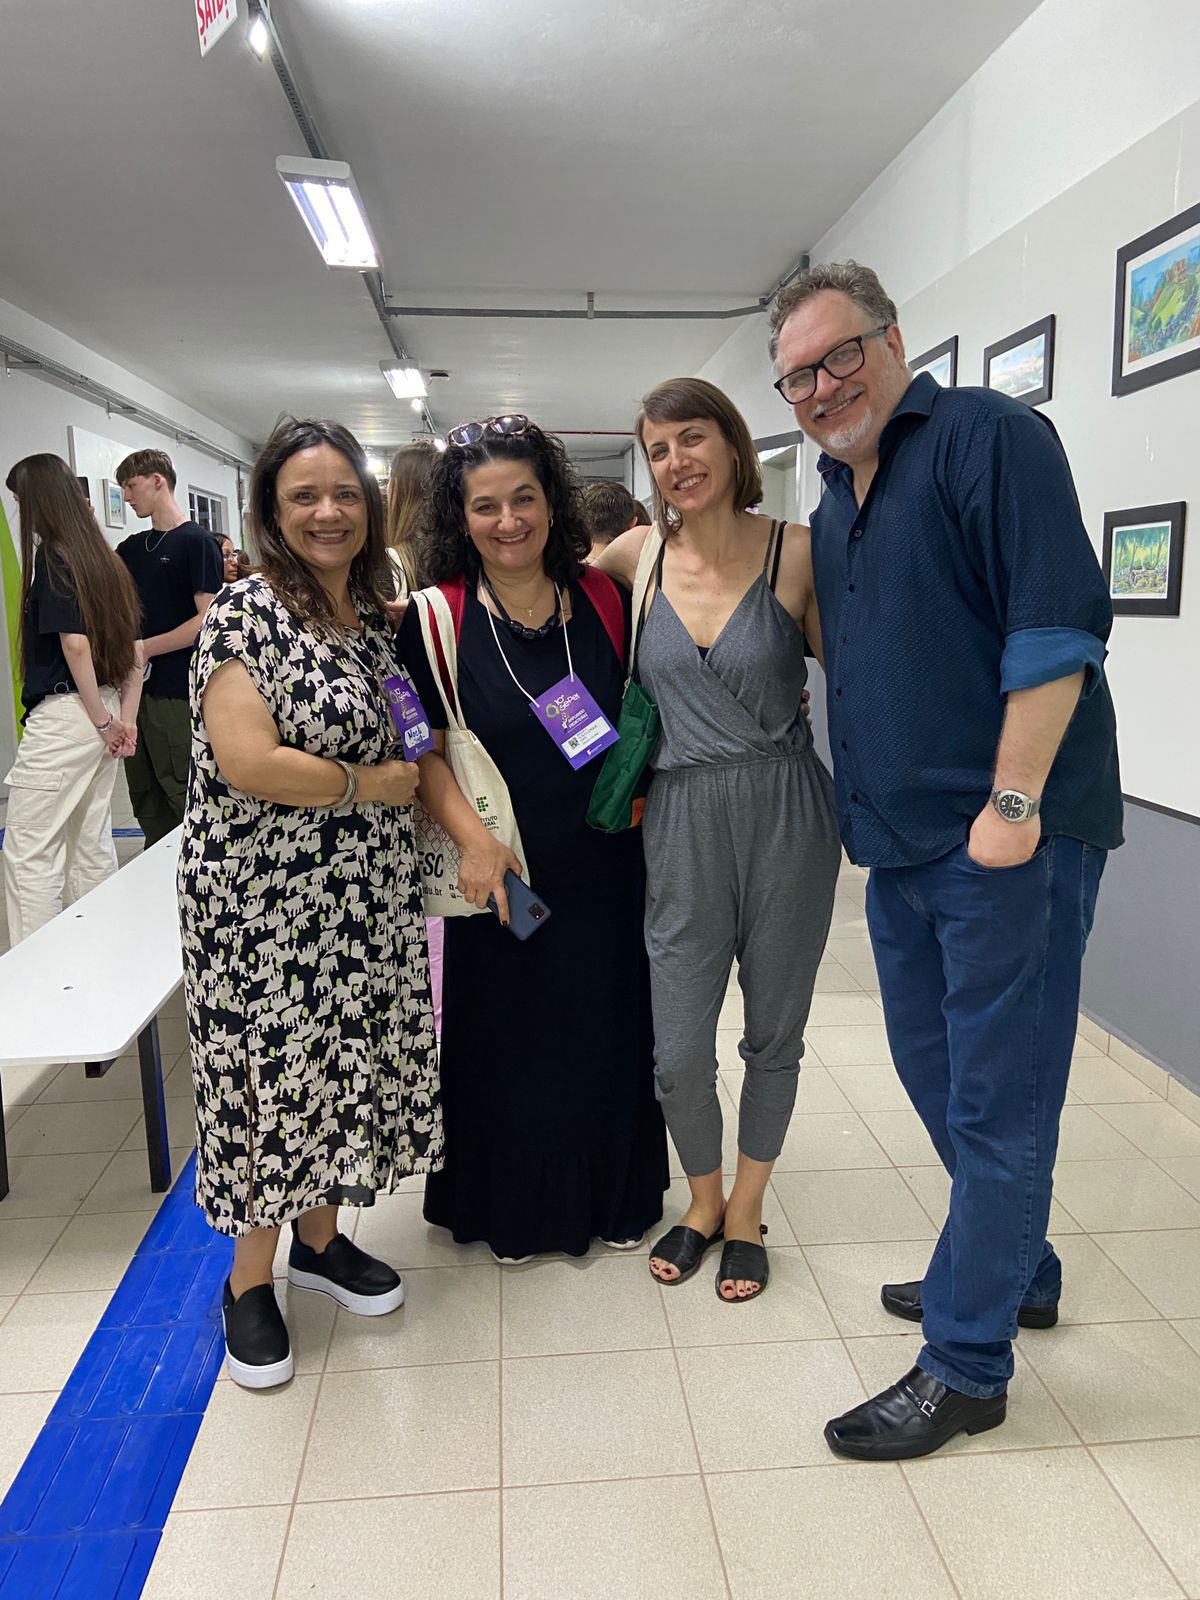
448, 551
292, 581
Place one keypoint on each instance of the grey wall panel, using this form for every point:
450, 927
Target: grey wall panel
1141, 978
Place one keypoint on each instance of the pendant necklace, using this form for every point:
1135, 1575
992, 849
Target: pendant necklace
487, 583
520, 627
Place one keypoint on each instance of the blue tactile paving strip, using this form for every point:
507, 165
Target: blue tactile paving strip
84, 1517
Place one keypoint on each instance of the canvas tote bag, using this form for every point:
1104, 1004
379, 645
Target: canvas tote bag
474, 770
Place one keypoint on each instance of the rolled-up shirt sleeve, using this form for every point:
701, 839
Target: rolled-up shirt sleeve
1033, 656
1021, 513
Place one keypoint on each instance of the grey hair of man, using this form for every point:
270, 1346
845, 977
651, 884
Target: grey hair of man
858, 283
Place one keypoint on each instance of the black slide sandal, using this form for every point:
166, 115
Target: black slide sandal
684, 1249
741, 1259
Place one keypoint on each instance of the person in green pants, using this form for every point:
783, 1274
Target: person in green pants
176, 567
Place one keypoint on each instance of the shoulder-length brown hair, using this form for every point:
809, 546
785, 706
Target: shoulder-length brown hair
409, 485
292, 581
54, 508
689, 400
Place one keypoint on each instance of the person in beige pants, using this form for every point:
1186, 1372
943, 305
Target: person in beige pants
81, 682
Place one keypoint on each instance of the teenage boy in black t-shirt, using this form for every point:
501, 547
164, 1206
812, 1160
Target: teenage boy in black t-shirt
176, 566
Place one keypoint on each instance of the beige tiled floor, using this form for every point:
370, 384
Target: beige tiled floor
570, 1430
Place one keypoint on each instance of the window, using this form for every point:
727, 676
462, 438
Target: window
208, 510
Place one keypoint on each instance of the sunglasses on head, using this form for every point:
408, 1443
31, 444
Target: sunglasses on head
469, 433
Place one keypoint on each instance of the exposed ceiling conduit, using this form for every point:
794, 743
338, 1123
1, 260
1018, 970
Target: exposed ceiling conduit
575, 316
319, 150
20, 358
376, 288
589, 313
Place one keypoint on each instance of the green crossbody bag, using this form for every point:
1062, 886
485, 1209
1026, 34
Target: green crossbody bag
619, 796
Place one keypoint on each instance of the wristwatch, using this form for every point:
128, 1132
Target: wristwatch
1014, 806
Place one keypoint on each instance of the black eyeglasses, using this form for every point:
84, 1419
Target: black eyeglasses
469, 433
840, 362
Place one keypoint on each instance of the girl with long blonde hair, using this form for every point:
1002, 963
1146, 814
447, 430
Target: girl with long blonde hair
407, 503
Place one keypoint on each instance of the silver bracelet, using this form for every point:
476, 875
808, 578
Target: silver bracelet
102, 727
351, 793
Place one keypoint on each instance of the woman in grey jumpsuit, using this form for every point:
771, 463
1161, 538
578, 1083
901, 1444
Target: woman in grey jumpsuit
740, 835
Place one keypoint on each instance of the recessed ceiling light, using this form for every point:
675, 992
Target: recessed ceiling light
326, 197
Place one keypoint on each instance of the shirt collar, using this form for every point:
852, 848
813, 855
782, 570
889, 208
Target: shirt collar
916, 401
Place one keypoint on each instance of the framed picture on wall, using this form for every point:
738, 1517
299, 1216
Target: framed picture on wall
114, 503
940, 362
1156, 332
1022, 366
1143, 559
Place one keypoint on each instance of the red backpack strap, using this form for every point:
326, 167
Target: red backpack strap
606, 597
455, 590
455, 594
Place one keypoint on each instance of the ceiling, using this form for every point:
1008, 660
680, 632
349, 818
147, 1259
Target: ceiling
509, 153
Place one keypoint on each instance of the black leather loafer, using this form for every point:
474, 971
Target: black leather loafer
913, 1418
258, 1352
904, 1300
357, 1281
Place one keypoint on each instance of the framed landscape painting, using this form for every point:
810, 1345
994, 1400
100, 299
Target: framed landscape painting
1143, 559
1157, 317
114, 503
1022, 366
940, 362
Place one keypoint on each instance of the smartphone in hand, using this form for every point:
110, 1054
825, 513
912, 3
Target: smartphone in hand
527, 912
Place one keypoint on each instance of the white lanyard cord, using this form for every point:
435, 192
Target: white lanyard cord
566, 640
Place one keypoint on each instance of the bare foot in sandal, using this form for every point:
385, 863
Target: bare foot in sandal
684, 1251
743, 1225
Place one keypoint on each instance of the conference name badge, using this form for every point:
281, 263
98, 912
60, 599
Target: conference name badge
416, 737
574, 721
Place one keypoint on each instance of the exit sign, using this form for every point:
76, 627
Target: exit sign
213, 18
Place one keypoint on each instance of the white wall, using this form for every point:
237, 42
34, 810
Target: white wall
35, 416
1077, 83
643, 482
1011, 203
1136, 450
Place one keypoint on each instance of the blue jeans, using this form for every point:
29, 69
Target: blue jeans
979, 971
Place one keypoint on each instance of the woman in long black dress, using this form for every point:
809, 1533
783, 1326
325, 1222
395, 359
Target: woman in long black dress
553, 1136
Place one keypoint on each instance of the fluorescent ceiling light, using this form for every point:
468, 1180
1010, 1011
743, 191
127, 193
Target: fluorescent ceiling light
258, 35
417, 404
406, 383
327, 198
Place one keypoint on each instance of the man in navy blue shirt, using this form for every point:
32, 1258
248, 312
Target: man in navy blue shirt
964, 618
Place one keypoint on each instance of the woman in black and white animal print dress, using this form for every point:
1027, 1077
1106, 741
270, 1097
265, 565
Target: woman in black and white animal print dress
305, 967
